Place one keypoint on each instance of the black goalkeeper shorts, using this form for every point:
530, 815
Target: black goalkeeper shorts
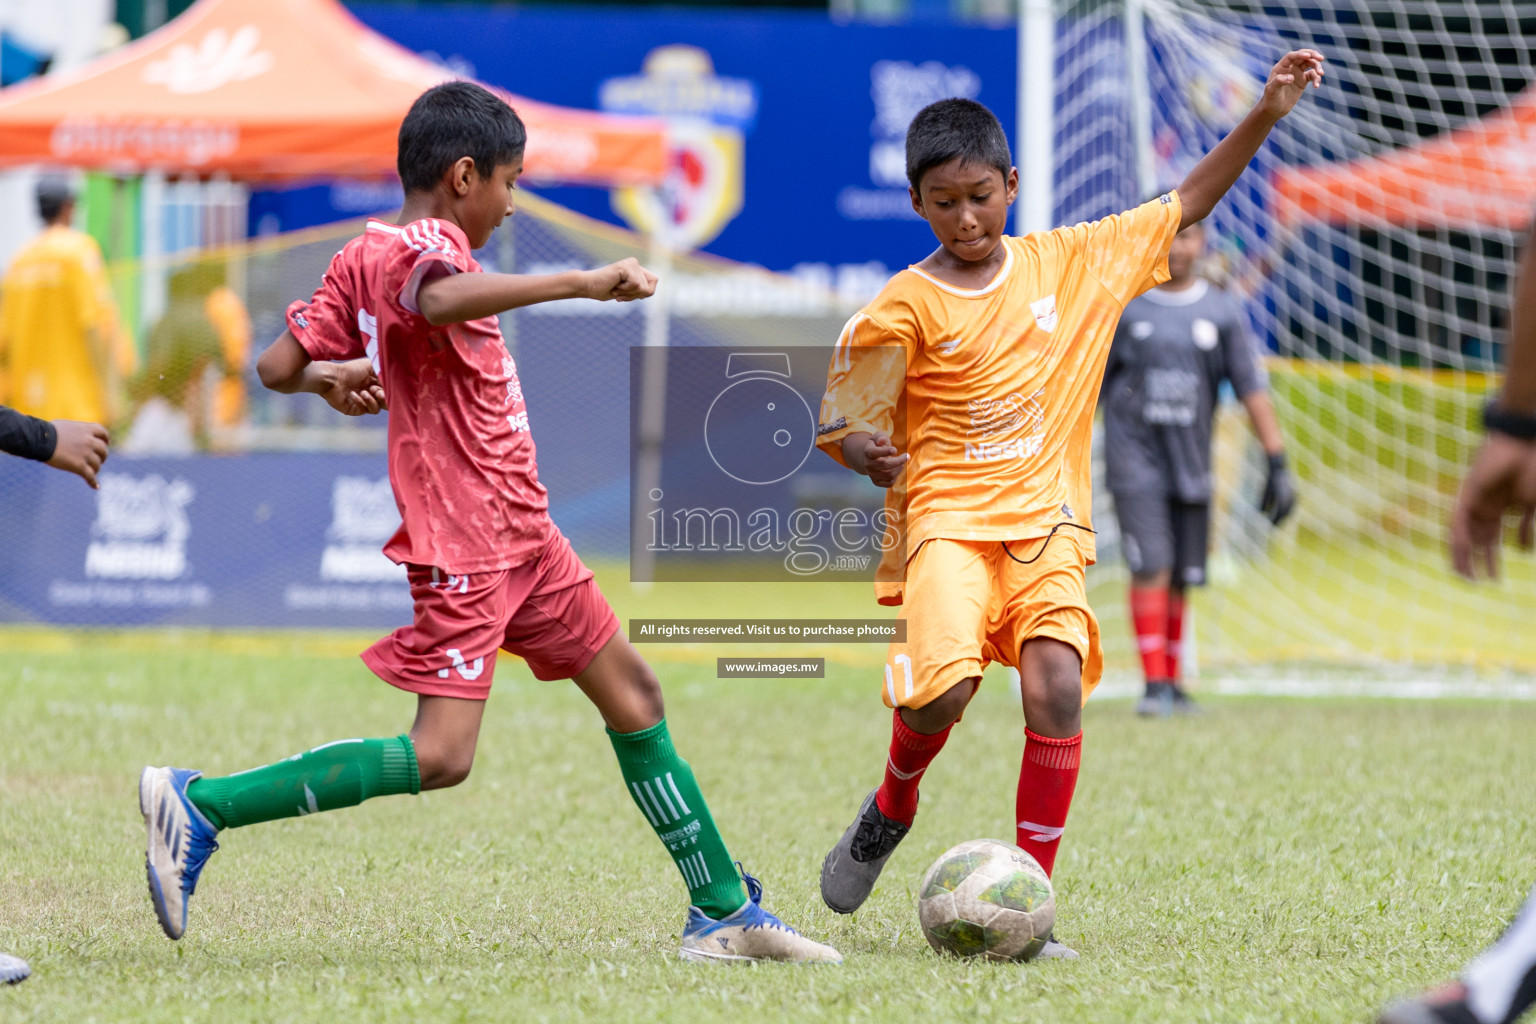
1159, 532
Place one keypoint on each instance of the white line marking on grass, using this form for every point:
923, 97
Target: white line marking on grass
1397, 689
1387, 689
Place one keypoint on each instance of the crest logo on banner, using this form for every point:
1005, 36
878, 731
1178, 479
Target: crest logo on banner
363, 517
141, 528
708, 117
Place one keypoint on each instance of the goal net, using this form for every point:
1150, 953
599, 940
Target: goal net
1372, 244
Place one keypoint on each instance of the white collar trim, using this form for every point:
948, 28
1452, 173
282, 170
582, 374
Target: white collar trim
974, 293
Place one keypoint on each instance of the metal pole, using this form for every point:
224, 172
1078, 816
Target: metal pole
152, 272
1036, 155
645, 498
1141, 98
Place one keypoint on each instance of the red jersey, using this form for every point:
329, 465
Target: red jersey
461, 459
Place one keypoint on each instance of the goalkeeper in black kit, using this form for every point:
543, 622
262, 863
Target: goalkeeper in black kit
1174, 347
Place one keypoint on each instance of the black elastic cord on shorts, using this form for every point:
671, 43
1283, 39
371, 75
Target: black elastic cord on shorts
1027, 561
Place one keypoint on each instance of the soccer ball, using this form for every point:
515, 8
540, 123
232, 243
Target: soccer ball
987, 898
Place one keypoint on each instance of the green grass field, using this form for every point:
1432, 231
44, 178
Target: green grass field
1273, 861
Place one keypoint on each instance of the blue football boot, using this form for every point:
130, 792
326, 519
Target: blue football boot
180, 843
751, 933
13, 970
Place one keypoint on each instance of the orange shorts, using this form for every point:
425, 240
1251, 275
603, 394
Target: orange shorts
967, 604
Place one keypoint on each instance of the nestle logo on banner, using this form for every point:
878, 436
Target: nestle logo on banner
899, 90
141, 528
363, 517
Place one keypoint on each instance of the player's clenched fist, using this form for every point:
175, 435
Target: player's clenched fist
623, 281
81, 449
354, 389
875, 457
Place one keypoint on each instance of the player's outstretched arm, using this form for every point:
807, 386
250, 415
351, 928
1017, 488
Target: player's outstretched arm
71, 445
1219, 170
454, 298
1503, 473
349, 387
874, 456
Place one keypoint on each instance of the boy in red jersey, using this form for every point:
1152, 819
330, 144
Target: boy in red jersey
405, 312
987, 456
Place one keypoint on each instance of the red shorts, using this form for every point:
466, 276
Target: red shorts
548, 612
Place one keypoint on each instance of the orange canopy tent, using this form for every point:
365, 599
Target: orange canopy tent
281, 88
1481, 175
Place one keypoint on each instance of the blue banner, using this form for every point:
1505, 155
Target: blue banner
790, 126
254, 541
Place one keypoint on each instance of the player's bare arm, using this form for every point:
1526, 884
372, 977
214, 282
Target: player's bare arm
1266, 425
81, 449
874, 456
1219, 170
349, 387
1279, 495
1503, 473
455, 298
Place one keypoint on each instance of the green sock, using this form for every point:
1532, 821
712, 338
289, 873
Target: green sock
340, 774
662, 784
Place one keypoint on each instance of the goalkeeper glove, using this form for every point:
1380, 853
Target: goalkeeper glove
1279, 491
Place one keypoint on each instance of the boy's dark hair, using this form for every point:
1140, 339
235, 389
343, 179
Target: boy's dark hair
954, 128
53, 194
454, 120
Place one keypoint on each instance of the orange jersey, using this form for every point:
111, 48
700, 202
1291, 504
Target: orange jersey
996, 403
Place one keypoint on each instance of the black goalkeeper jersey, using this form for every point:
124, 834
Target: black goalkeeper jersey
1171, 352
27, 436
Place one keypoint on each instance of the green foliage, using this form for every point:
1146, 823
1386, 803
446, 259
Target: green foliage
1273, 861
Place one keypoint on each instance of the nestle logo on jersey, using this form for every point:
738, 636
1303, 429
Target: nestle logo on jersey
993, 451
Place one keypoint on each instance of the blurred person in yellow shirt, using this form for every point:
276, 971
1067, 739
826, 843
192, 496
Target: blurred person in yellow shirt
62, 353
195, 359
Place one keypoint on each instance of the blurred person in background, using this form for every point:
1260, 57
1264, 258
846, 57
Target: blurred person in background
1174, 347
62, 354
196, 358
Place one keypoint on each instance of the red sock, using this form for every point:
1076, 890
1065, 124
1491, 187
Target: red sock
1046, 781
1175, 632
1149, 616
911, 753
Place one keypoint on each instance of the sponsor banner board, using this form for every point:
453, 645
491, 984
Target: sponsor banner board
271, 540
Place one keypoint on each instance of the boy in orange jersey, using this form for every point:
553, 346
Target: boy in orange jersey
985, 447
